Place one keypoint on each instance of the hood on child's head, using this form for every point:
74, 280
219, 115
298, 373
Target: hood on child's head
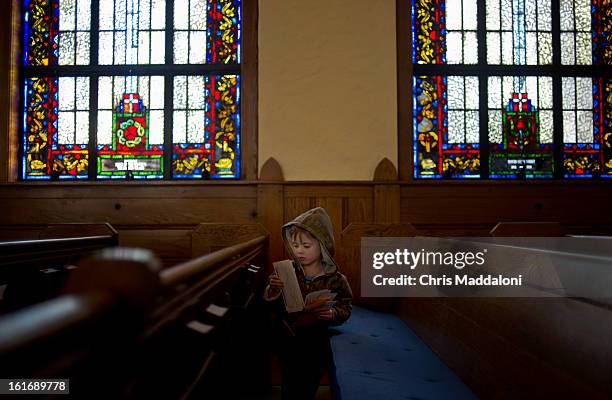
318, 224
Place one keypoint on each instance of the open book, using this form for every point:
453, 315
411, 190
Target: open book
292, 295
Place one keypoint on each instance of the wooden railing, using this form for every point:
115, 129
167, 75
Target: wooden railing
35, 270
527, 346
58, 243
50, 250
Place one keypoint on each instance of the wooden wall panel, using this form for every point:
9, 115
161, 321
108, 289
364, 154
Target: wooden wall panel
294, 206
124, 211
480, 207
156, 217
270, 215
387, 207
209, 237
386, 194
165, 243
359, 210
328, 189
19, 232
457, 209
108, 190
335, 208
440, 209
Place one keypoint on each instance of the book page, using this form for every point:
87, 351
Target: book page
291, 290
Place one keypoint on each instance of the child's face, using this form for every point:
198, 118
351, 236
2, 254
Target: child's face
306, 248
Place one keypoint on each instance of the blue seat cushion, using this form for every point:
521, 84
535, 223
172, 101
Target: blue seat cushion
377, 356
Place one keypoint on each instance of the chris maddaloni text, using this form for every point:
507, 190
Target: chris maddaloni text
465, 280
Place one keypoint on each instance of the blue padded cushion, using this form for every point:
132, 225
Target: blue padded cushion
376, 356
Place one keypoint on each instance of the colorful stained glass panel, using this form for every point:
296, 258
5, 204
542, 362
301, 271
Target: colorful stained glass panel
521, 115
587, 129
130, 127
446, 127
520, 127
56, 128
206, 131
41, 18
428, 27
602, 32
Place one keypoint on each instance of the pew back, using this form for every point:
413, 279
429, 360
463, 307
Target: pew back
35, 270
147, 331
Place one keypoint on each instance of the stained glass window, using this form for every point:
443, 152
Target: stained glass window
511, 89
131, 89
206, 125
447, 126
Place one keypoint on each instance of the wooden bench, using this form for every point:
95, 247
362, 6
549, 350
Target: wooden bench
375, 354
507, 347
35, 270
145, 331
528, 347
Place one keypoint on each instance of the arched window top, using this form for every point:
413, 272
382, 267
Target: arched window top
131, 89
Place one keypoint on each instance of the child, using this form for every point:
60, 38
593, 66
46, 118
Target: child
303, 341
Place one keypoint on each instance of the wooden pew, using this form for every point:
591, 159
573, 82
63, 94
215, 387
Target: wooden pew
524, 347
508, 348
375, 355
128, 329
35, 270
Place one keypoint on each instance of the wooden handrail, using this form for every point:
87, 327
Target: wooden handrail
15, 252
187, 270
178, 302
41, 321
59, 242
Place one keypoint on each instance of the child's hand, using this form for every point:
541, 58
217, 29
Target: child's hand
275, 284
326, 314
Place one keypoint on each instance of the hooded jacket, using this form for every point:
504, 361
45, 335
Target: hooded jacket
318, 224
